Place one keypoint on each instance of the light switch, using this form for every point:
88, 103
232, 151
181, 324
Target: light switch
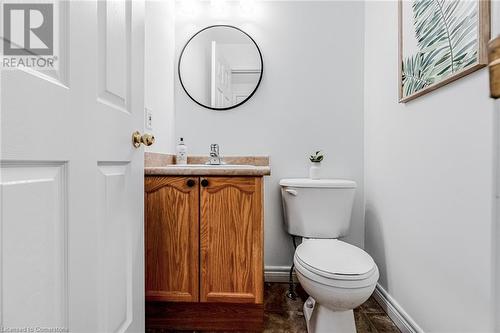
149, 118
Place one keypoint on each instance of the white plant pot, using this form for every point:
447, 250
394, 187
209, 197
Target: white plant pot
315, 170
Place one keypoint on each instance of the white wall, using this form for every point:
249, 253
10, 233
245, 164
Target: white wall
496, 235
196, 65
310, 97
159, 72
429, 170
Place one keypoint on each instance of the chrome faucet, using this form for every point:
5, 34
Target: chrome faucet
215, 158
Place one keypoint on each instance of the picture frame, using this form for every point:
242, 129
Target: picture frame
426, 59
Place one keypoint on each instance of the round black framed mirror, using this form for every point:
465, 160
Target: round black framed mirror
220, 67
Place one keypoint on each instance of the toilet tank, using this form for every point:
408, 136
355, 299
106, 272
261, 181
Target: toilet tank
317, 208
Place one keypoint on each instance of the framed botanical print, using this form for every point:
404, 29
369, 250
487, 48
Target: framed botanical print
440, 41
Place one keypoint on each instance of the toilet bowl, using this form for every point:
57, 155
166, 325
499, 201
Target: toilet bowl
338, 277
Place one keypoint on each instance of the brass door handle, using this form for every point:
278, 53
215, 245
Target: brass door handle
145, 139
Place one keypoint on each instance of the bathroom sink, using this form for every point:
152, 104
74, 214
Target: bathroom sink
224, 166
201, 169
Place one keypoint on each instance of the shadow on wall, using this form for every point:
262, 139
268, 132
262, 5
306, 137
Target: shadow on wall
373, 227
496, 222
279, 203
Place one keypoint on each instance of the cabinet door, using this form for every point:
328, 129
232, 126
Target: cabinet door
231, 240
172, 243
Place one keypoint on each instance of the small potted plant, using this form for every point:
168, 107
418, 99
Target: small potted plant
314, 170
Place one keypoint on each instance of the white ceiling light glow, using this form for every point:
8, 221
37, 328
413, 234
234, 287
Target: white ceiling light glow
220, 8
248, 7
189, 8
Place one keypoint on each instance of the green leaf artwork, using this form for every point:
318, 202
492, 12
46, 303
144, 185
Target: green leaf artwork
446, 33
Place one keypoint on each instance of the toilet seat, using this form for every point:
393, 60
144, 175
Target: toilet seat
335, 263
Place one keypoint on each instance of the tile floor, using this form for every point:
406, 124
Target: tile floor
283, 315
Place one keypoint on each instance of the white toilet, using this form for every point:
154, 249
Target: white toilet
337, 276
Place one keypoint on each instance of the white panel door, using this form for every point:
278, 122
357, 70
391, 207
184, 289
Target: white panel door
220, 79
71, 183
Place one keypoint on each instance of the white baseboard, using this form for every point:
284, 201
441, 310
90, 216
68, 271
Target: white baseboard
399, 316
278, 274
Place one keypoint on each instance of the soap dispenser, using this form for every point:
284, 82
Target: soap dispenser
181, 152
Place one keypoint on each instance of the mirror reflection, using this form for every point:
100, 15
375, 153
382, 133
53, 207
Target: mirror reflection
220, 67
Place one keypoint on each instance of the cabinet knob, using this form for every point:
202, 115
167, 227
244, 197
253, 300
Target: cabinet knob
190, 183
204, 182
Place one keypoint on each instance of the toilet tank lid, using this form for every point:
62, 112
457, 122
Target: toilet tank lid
314, 183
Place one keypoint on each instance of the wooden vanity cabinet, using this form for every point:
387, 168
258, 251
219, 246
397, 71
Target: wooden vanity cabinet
171, 238
204, 252
231, 236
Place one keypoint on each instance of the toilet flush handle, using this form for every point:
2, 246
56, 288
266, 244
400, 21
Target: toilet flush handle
290, 191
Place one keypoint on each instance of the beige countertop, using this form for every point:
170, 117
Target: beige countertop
163, 165
207, 170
